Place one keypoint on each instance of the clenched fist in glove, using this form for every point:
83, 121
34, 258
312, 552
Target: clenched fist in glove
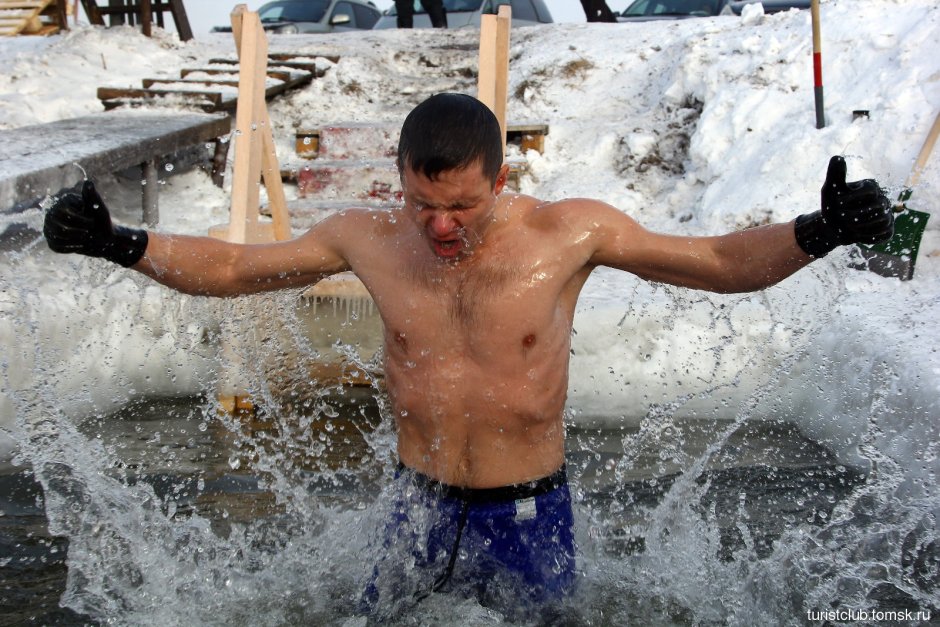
82, 224
851, 213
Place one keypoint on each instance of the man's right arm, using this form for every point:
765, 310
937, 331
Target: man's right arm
211, 267
195, 265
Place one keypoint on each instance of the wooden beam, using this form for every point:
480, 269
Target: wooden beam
146, 18
182, 22
253, 49
92, 11
503, 25
493, 73
486, 72
270, 169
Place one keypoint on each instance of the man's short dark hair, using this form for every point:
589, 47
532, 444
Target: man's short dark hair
450, 132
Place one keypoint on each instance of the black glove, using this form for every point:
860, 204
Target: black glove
82, 224
852, 213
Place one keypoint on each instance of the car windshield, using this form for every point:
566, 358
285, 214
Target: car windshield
451, 6
293, 11
672, 7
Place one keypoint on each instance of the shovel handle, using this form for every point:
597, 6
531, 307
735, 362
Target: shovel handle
919, 165
925, 151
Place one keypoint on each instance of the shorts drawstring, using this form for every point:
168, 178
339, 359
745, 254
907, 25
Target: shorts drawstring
461, 523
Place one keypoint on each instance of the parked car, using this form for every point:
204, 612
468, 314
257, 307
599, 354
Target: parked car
770, 6
648, 10
287, 17
467, 13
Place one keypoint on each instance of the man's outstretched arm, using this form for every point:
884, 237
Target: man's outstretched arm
856, 212
194, 265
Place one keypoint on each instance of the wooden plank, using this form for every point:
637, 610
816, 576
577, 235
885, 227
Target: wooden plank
36, 4
57, 11
93, 12
47, 29
275, 74
182, 21
307, 143
493, 72
501, 89
286, 61
22, 17
286, 56
529, 136
118, 93
270, 171
277, 90
40, 159
145, 12
148, 83
248, 149
486, 72
252, 161
529, 127
215, 71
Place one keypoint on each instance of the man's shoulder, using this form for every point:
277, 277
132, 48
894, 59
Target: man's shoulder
359, 219
562, 214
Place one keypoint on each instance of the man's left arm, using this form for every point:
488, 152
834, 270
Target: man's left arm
855, 212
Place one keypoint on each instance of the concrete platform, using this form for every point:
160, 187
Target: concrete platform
42, 159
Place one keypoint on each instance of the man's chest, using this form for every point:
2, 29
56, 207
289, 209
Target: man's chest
491, 312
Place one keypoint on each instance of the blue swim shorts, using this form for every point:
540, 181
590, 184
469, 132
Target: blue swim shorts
509, 547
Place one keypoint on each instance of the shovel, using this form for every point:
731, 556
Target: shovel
896, 257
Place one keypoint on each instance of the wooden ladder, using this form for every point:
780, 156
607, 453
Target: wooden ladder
140, 12
25, 17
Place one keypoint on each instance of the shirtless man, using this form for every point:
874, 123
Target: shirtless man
477, 292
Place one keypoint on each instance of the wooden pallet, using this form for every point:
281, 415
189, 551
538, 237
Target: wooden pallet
31, 17
215, 88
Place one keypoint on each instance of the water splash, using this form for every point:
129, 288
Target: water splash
176, 513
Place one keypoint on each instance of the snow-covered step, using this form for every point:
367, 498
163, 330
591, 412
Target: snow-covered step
349, 141
305, 212
346, 180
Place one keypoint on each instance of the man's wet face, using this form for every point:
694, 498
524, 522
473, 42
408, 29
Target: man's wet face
453, 210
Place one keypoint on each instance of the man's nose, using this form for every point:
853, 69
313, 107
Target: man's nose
442, 223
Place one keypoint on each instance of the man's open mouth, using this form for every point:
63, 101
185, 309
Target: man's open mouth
447, 248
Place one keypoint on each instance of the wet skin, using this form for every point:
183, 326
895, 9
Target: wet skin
477, 339
477, 292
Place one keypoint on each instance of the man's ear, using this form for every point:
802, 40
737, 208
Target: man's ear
501, 177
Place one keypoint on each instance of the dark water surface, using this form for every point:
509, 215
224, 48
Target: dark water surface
764, 481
